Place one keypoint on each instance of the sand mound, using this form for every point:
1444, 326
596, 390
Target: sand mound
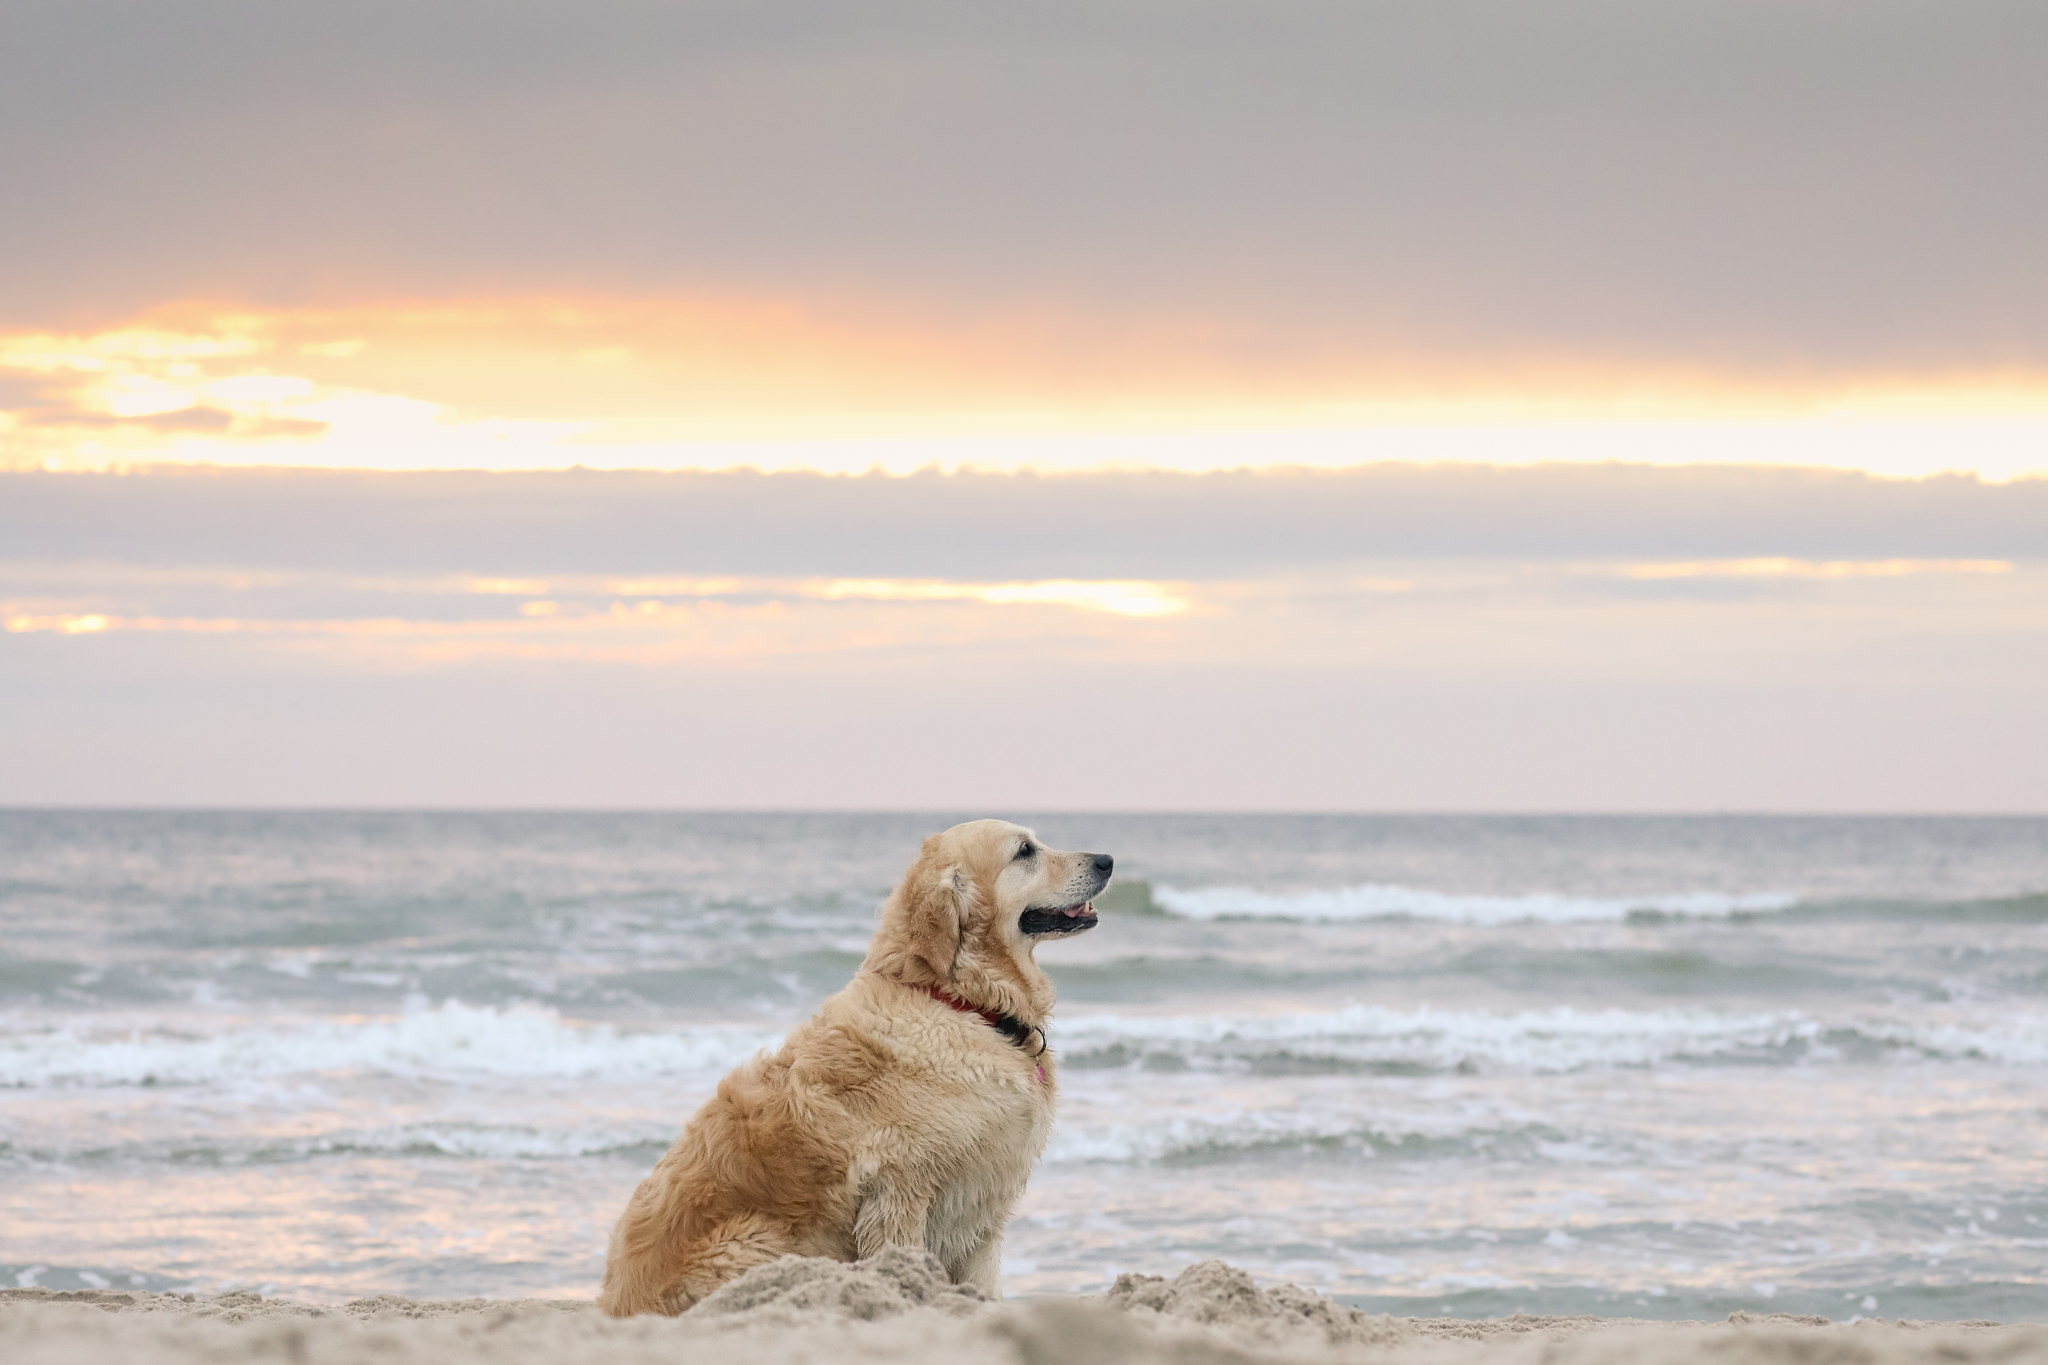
1219, 1295
898, 1281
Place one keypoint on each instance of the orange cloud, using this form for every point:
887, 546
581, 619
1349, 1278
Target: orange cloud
666, 607
1328, 618
525, 384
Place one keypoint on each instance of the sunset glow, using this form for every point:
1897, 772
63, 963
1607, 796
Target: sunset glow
654, 621
542, 385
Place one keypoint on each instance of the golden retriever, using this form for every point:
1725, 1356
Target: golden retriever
908, 1110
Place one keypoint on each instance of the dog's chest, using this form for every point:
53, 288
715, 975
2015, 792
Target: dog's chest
990, 1165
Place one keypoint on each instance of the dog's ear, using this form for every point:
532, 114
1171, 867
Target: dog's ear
933, 923
920, 934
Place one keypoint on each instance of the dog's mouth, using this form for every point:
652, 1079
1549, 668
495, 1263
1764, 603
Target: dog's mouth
1057, 921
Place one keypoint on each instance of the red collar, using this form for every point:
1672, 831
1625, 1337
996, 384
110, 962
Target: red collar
1009, 1025
995, 1018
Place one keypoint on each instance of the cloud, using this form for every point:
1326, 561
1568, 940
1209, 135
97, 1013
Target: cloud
1587, 237
1787, 187
1392, 637
1001, 528
1803, 568
197, 418
132, 392
1915, 693
536, 383
21, 390
656, 608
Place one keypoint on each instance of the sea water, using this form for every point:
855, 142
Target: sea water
1658, 1067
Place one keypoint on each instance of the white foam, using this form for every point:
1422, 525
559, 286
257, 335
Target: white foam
1534, 1041
1383, 901
525, 1142
1439, 1040
1195, 1135
2009, 1039
459, 1043
499, 1141
453, 1041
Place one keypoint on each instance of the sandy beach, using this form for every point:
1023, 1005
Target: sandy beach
900, 1308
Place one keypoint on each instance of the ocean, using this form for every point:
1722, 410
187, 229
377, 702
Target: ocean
1662, 1067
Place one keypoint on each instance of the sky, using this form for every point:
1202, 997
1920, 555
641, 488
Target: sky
1389, 638
1200, 234
1396, 404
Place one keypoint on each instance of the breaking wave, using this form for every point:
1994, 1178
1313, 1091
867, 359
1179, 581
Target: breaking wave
1188, 1141
1370, 1039
505, 1142
457, 1042
452, 1041
1381, 901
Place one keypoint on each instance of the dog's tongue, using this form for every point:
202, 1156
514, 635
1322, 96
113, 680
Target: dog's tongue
1076, 911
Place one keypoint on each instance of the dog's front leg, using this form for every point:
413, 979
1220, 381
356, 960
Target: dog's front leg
892, 1213
983, 1267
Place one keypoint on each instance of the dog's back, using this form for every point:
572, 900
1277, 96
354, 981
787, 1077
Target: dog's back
754, 1176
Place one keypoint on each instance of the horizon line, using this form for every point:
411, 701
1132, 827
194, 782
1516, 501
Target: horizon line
1392, 813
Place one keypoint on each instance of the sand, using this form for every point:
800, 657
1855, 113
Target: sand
900, 1308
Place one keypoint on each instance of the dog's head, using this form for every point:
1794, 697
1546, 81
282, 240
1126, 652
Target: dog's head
975, 905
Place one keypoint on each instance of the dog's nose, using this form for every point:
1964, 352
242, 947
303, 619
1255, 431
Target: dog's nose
1103, 863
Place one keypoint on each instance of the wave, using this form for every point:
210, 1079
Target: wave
1180, 1139
461, 1043
1190, 1141
452, 1041
504, 1142
1370, 1039
1375, 900
1387, 901
2028, 908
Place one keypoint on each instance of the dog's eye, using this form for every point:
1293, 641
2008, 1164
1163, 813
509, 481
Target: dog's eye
1023, 852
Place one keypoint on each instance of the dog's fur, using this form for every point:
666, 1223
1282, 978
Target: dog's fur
889, 1117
